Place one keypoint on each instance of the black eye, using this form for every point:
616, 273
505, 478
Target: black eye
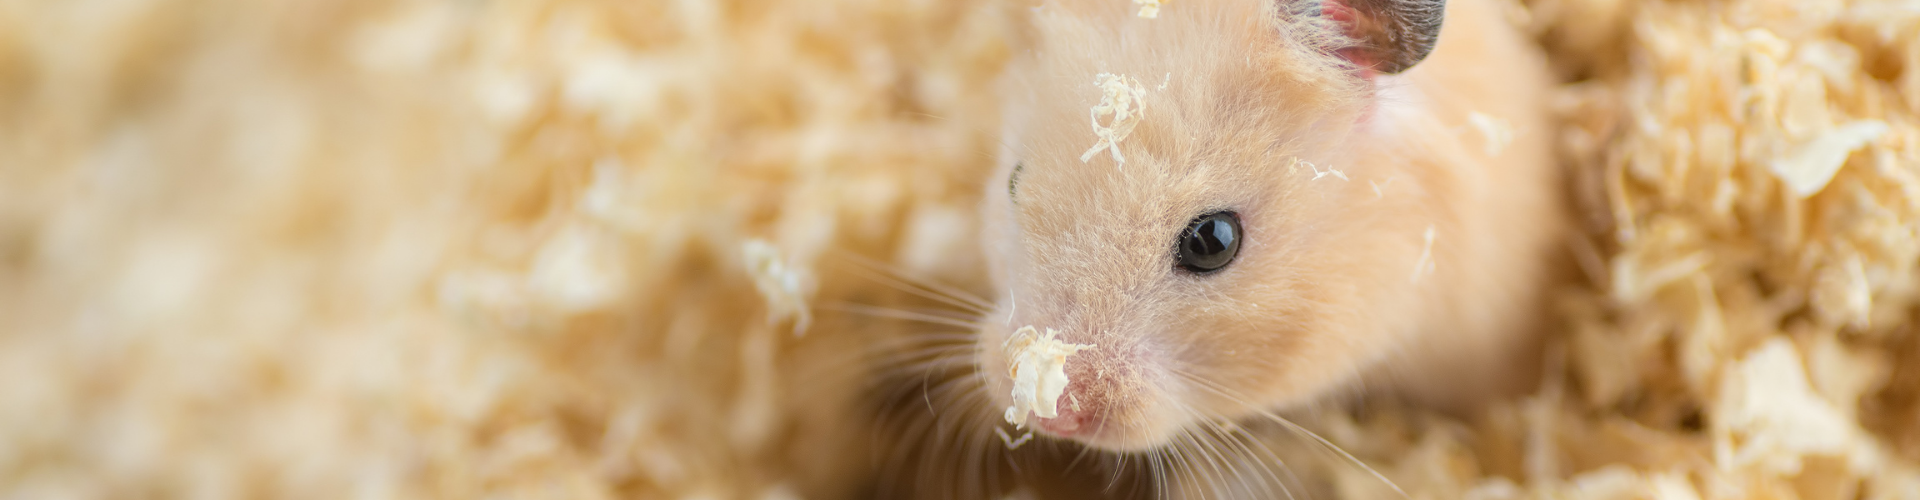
1209, 242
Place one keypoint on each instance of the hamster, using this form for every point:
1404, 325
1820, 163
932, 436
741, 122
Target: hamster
1316, 200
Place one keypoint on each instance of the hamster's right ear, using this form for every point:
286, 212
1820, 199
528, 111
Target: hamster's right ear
1389, 36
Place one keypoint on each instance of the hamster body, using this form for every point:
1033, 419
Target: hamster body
1390, 231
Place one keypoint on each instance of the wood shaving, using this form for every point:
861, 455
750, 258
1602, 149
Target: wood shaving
1121, 100
1149, 8
577, 270
782, 285
1807, 168
1424, 266
1038, 369
1317, 173
1771, 410
1496, 133
1379, 188
1009, 441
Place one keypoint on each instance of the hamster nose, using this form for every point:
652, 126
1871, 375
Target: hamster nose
1068, 424
1077, 415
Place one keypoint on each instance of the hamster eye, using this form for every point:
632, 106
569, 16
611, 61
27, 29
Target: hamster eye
1209, 242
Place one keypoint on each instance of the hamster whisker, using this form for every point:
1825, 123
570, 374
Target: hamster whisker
988, 458
1109, 462
1289, 425
1184, 463
950, 438
892, 459
1078, 457
957, 425
948, 372
886, 355
882, 312
1157, 463
968, 391
1216, 481
888, 275
943, 337
910, 360
1218, 438
1119, 462
1237, 456
965, 302
937, 435
954, 338
1176, 468
1164, 475
1179, 467
953, 363
1246, 442
945, 313
1337, 450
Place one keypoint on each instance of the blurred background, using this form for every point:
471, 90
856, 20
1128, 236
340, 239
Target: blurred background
579, 248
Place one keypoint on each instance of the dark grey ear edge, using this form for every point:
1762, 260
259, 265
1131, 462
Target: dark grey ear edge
1396, 34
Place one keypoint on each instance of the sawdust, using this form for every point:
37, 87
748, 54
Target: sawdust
436, 249
1751, 170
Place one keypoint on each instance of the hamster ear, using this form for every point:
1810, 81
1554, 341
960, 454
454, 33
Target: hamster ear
1389, 36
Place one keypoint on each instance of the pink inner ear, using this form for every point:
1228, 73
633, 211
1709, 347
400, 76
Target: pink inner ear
1349, 21
1362, 60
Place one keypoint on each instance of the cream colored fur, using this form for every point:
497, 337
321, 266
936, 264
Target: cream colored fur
1254, 117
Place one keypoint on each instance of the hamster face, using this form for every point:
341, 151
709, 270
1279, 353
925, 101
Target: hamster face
1244, 138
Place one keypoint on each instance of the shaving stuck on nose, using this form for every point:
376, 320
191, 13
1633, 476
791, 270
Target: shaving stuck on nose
1038, 371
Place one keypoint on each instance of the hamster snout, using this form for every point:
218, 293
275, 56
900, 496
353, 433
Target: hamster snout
1112, 393
1287, 214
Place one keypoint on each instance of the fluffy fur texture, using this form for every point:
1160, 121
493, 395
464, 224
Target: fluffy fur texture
1255, 113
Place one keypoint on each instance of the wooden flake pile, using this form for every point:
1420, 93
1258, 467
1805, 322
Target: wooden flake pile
445, 249
1748, 171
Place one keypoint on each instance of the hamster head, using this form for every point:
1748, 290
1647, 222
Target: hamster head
1237, 260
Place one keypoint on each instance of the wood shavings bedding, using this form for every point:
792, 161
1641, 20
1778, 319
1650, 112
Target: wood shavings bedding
1808, 167
1736, 337
1770, 408
495, 249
